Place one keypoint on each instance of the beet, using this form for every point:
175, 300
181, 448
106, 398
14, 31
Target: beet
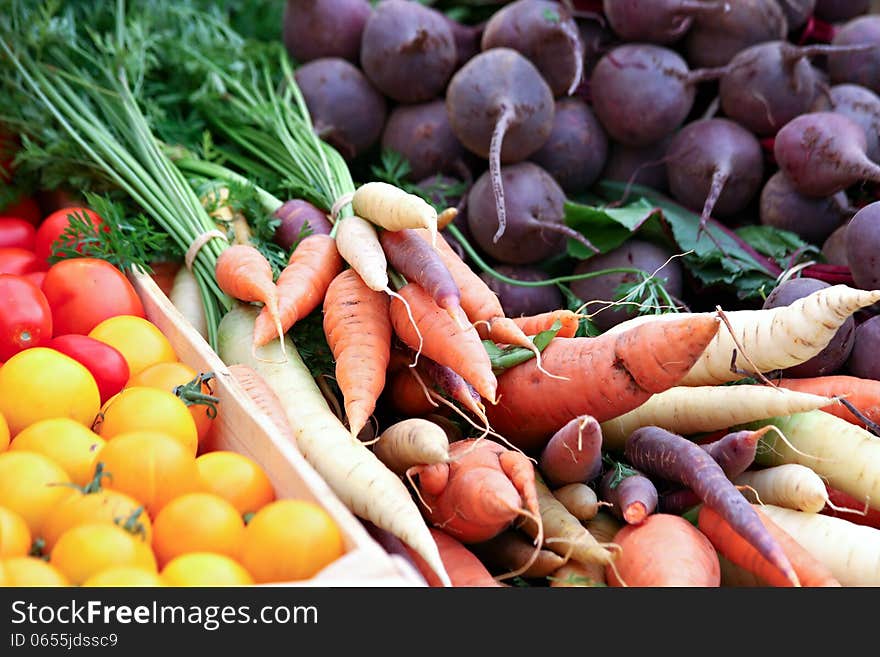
639, 165
436, 188
863, 361
546, 34
575, 152
535, 209
467, 40
834, 248
863, 67
863, 247
823, 153
294, 215
313, 29
422, 134
408, 51
715, 38
500, 108
597, 39
347, 112
657, 21
518, 301
641, 92
813, 219
835, 11
716, 165
797, 12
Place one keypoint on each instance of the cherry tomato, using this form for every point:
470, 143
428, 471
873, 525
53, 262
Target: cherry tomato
116, 576
68, 443
4, 430
137, 339
83, 292
236, 478
26, 320
86, 550
205, 569
15, 535
18, 261
17, 232
24, 207
53, 226
36, 277
148, 409
32, 571
106, 363
31, 485
197, 522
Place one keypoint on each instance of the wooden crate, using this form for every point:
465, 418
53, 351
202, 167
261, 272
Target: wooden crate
243, 428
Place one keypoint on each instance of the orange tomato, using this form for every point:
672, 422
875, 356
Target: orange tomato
152, 467
238, 479
105, 506
68, 443
137, 339
168, 376
290, 540
32, 571
31, 485
205, 569
39, 384
15, 535
4, 430
148, 409
124, 576
197, 522
86, 550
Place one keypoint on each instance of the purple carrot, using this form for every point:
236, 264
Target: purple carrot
657, 452
633, 497
574, 453
454, 386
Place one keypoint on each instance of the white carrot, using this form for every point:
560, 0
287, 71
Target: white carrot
579, 499
358, 244
688, 410
773, 338
393, 209
187, 298
850, 551
792, 486
412, 442
362, 482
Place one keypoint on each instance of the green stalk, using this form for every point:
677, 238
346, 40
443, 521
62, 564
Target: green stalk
211, 170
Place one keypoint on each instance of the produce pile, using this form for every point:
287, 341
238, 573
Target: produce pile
549, 293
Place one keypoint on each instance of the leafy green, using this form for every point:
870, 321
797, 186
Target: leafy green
311, 343
503, 359
775, 243
606, 227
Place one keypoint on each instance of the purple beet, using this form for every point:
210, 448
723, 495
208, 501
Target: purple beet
641, 93
347, 111
813, 219
546, 34
597, 39
443, 191
313, 29
422, 135
823, 153
716, 37
295, 215
577, 147
518, 301
657, 21
861, 105
639, 165
797, 12
863, 361
716, 165
408, 51
863, 247
467, 40
834, 248
835, 11
863, 67
500, 108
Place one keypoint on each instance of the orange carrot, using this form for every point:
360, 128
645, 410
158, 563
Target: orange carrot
608, 376
301, 285
664, 550
243, 273
810, 571
863, 394
265, 398
358, 331
534, 324
444, 340
464, 568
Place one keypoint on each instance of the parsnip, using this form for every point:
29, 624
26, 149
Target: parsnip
791, 486
393, 209
358, 244
412, 442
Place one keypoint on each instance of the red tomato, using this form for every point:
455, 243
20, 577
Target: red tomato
52, 228
106, 363
17, 232
24, 208
18, 261
36, 277
26, 320
83, 292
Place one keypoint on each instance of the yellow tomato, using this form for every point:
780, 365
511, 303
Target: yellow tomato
68, 443
124, 576
15, 536
88, 549
290, 540
205, 569
4, 433
149, 409
238, 479
167, 376
31, 485
151, 467
38, 384
3, 580
105, 506
139, 341
31, 571
197, 522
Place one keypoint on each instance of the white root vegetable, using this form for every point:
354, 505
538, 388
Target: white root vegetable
688, 410
393, 209
358, 244
792, 486
411, 442
579, 499
362, 482
772, 338
187, 298
850, 551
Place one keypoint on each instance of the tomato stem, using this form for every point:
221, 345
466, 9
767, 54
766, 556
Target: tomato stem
191, 394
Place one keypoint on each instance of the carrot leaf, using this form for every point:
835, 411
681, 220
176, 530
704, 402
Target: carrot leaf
503, 359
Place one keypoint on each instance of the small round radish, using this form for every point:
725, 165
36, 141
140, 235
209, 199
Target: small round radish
518, 301
346, 110
576, 150
823, 153
422, 135
324, 28
716, 37
546, 34
863, 247
658, 21
408, 51
813, 219
639, 165
716, 165
861, 105
797, 12
835, 11
862, 67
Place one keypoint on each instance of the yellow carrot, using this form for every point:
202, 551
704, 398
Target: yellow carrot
393, 209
